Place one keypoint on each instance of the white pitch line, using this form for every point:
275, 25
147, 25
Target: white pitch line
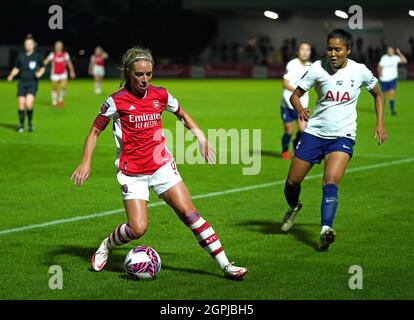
200, 196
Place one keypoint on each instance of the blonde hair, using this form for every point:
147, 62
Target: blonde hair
131, 56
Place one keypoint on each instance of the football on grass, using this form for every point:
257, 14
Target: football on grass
142, 263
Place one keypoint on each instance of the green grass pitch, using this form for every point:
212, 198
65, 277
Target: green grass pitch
374, 220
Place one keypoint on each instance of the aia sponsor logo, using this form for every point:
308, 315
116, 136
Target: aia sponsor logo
337, 96
156, 104
124, 188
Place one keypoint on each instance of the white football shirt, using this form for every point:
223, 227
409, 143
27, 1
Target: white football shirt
389, 67
294, 72
335, 112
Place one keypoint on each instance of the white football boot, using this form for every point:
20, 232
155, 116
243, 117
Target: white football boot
326, 238
233, 272
290, 217
100, 257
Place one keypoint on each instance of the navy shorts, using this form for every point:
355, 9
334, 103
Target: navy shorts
388, 85
313, 149
24, 88
288, 115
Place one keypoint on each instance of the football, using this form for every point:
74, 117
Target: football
142, 263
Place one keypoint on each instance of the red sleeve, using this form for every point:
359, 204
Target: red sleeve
101, 122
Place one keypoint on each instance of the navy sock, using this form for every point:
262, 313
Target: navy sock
30, 116
297, 138
21, 117
286, 141
392, 105
292, 192
329, 204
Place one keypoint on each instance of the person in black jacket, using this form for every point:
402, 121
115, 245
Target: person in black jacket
29, 67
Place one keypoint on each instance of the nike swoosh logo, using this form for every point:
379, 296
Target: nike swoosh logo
346, 147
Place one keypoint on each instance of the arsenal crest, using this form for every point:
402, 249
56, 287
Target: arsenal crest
156, 104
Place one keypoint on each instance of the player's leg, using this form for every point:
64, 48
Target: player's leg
391, 99
136, 226
287, 131
62, 92
30, 98
21, 102
297, 172
135, 194
335, 166
54, 92
179, 199
286, 137
98, 84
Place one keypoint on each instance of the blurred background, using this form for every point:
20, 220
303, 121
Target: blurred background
198, 38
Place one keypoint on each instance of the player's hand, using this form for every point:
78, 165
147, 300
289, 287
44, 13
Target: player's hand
10, 78
72, 75
38, 75
304, 114
208, 152
380, 134
81, 174
398, 51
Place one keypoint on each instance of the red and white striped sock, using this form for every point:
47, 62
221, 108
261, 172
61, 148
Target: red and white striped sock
207, 238
121, 235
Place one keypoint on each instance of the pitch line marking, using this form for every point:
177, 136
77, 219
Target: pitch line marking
112, 145
200, 196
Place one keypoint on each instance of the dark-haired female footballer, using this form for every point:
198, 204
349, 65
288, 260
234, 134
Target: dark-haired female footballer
331, 129
143, 160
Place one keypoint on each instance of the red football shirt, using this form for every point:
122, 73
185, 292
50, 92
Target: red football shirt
137, 129
59, 61
98, 60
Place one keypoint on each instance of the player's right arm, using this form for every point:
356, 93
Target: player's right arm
287, 77
82, 171
14, 72
48, 59
90, 66
305, 84
16, 69
287, 85
107, 112
303, 113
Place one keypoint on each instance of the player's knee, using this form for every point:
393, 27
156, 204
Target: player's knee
138, 229
292, 181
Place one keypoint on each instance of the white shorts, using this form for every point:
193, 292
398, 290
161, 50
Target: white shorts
137, 187
59, 77
98, 71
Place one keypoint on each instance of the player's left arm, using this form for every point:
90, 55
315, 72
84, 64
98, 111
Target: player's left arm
39, 73
207, 150
380, 132
402, 57
71, 68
